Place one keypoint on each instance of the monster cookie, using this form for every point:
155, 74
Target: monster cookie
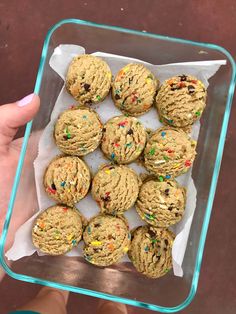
88, 79
150, 251
161, 204
107, 239
181, 100
134, 89
124, 139
115, 188
169, 153
57, 230
78, 131
67, 179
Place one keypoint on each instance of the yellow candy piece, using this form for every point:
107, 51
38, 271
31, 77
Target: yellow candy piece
96, 243
126, 249
201, 84
69, 237
109, 74
176, 166
126, 69
148, 80
108, 171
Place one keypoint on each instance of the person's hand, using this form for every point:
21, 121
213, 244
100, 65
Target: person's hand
12, 116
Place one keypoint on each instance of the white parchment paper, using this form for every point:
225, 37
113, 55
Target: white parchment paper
47, 149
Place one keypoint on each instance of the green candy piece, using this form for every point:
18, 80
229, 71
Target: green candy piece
150, 217
161, 179
198, 113
152, 151
98, 97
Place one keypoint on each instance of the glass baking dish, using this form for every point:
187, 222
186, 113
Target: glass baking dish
121, 283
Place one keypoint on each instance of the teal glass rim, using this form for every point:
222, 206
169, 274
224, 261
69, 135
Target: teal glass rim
207, 215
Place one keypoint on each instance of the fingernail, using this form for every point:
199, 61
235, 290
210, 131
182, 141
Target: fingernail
25, 101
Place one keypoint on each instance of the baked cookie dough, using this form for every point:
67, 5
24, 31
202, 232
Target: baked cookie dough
78, 131
134, 89
123, 140
57, 230
106, 239
161, 204
169, 153
67, 179
150, 251
88, 79
181, 100
115, 189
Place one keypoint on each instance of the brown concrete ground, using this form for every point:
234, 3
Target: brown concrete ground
23, 25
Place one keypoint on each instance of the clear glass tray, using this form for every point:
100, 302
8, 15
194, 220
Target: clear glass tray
121, 283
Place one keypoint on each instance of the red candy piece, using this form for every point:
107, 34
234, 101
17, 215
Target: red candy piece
170, 151
134, 97
107, 193
181, 84
65, 209
116, 144
122, 123
188, 163
51, 190
194, 81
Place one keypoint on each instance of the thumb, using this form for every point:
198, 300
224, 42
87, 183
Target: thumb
14, 115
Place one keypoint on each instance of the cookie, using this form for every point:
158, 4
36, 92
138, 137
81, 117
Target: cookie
115, 189
88, 79
78, 131
123, 140
57, 230
181, 100
106, 239
150, 251
67, 179
161, 204
169, 153
134, 89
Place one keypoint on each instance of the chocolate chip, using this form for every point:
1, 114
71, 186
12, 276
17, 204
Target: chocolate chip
65, 137
130, 80
106, 198
167, 191
96, 250
183, 77
175, 87
53, 186
104, 129
170, 208
176, 215
87, 87
166, 242
117, 96
191, 89
110, 237
97, 225
165, 249
88, 102
110, 168
130, 132
152, 233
